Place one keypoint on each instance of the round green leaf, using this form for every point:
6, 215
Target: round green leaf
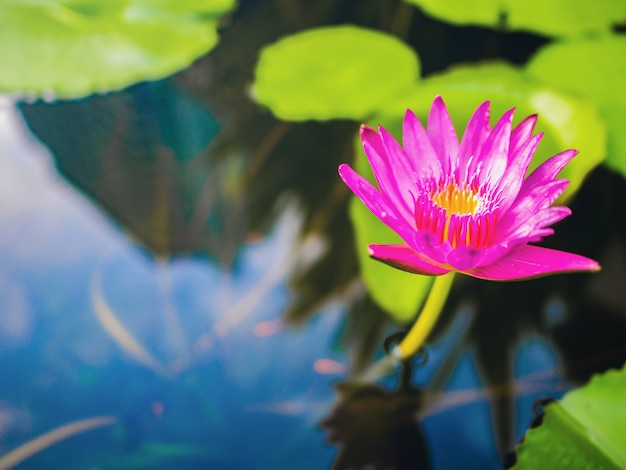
72, 48
397, 292
333, 73
567, 122
551, 18
586, 429
602, 78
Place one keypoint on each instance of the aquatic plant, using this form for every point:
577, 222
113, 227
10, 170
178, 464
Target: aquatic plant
465, 207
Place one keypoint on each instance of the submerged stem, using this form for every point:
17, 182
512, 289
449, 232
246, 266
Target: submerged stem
426, 320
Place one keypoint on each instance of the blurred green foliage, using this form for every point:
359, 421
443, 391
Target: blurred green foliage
335, 72
601, 78
552, 18
73, 48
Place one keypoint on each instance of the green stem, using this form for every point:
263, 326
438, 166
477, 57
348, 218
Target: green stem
416, 337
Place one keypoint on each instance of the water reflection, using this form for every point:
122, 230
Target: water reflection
376, 428
63, 365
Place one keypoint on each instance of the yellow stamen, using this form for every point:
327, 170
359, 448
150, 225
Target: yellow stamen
455, 199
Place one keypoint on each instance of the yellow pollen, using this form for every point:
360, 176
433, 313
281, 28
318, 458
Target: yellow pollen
461, 200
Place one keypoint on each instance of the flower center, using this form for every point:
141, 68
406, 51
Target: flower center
461, 214
457, 199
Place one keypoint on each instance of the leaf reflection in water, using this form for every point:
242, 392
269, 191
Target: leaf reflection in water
293, 254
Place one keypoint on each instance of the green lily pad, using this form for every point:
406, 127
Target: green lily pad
551, 18
397, 292
602, 78
584, 430
335, 72
567, 121
72, 48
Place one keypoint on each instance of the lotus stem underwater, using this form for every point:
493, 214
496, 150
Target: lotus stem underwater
465, 206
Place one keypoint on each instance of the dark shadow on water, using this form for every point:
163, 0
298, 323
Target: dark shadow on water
377, 428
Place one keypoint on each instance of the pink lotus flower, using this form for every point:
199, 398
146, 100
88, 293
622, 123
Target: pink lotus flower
467, 206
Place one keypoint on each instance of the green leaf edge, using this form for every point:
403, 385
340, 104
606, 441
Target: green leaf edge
278, 108
612, 159
556, 413
488, 18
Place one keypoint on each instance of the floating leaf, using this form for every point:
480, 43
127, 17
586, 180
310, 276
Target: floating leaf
333, 72
586, 429
552, 18
602, 78
72, 48
567, 122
